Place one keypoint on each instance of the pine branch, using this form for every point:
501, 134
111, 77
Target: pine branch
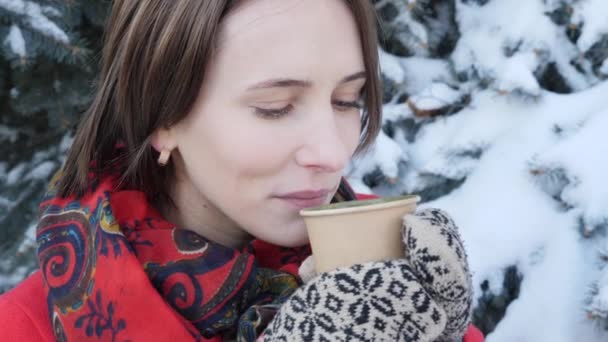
597, 303
41, 35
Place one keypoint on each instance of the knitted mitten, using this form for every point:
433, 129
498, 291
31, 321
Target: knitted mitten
378, 301
437, 256
424, 297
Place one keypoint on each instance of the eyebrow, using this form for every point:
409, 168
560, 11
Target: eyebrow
286, 82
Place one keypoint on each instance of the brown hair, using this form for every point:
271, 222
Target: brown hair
146, 83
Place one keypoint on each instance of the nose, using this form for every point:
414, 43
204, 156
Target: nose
324, 148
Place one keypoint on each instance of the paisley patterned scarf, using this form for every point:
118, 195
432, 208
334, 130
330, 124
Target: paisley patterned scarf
115, 270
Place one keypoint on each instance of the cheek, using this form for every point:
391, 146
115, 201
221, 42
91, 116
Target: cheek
238, 149
256, 158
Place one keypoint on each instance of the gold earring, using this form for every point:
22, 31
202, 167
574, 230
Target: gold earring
164, 157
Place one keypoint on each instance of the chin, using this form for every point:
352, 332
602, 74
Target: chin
295, 237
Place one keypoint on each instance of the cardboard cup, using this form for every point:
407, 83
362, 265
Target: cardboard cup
353, 232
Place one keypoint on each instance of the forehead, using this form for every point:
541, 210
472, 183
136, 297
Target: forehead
299, 38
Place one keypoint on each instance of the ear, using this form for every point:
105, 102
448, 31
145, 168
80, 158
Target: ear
163, 139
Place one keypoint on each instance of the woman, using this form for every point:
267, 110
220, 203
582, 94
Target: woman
176, 213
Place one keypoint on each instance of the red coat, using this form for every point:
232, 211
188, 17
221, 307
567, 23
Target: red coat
24, 313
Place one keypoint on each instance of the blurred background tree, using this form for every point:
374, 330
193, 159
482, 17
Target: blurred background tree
48, 62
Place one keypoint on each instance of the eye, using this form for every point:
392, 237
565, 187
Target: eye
348, 105
272, 114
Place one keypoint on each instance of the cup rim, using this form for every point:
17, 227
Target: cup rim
360, 206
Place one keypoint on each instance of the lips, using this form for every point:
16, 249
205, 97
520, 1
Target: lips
305, 199
307, 194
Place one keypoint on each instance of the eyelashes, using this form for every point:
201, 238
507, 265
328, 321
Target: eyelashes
342, 106
272, 113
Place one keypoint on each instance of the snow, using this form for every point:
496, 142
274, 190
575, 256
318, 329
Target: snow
474, 128
36, 18
421, 72
14, 92
8, 281
483, 41
15, 40
604, 67
29, 240
42, 171
15, 174
5, 202
394, 112
385, 154
564, 51
50, 11
436, 96
586, 170
415, 73
8, 133
507, 219
66, 142
507, 52
593, 14
411, 32
600, 301
391, 66
517, 74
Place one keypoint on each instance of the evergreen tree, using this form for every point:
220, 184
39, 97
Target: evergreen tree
48, 61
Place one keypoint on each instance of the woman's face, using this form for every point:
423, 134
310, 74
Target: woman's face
278, 113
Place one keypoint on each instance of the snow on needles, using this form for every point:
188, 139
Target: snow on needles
36, 18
